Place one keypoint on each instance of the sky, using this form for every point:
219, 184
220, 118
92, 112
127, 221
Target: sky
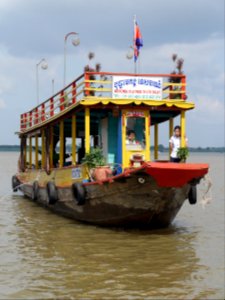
34, 29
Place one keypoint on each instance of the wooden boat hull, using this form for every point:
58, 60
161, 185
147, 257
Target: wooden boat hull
133, 199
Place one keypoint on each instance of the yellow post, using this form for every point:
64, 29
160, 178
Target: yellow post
25, 153
36, 152
73, 140
61, 138
156, 141
30, 152
183, 128
87, 130
147, 136
51, 147
43, 149
123, 125
170, 132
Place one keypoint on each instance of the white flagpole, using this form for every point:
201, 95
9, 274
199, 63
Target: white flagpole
135, 62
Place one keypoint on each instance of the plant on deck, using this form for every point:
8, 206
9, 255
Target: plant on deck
88, 68
178, 69
183, 153
94, 158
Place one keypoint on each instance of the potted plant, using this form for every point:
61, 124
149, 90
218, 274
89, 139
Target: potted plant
96, 163
178, 69
88, 68
183, 153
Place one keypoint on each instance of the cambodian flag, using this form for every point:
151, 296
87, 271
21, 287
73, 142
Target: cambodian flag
138, 42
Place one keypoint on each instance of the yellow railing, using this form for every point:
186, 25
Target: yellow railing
94, 85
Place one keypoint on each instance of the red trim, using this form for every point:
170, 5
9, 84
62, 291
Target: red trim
43, 112
166, 174
74, 91
30, 119
21, 121
36, 115
25, 121
175, 174
62, 100
51, 107
183, 88
87, 84
132, 74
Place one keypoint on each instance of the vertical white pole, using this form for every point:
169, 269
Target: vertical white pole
64, 83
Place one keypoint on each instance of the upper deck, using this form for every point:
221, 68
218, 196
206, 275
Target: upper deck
93, 88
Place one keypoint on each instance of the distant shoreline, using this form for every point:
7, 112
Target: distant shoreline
161, 148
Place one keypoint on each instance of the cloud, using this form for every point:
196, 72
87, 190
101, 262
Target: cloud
209, 110
2, 103
36, 27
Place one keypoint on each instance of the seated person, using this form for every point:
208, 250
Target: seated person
131, 138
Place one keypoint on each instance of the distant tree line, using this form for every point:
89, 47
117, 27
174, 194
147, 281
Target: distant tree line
161, 148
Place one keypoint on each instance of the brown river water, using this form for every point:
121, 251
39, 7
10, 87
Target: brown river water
45, 256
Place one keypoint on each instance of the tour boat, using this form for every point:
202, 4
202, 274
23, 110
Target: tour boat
96, 111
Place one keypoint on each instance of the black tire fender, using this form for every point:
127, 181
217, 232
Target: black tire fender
79, 193
15, 183
192, 195
35, 190
52, 193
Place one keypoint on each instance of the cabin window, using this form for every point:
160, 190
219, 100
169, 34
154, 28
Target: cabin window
135, 132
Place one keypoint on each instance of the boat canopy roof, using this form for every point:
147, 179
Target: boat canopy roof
164, 95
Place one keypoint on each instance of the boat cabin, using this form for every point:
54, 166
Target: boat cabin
114, 111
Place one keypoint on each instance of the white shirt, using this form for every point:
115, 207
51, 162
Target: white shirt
130, 142
175, 141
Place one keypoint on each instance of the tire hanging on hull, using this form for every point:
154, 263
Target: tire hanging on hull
79, 193
192, 195
52, 193
35, 191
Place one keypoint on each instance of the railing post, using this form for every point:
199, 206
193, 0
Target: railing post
86, 84
183, 88
62, 106
51, 107
36, 116
21, 122
171, 89
43, 112
74, 91
30, 124
25, 120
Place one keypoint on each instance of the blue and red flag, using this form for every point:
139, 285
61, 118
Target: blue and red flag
138, 41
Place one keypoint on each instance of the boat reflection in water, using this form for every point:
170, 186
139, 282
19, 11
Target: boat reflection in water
60, 258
